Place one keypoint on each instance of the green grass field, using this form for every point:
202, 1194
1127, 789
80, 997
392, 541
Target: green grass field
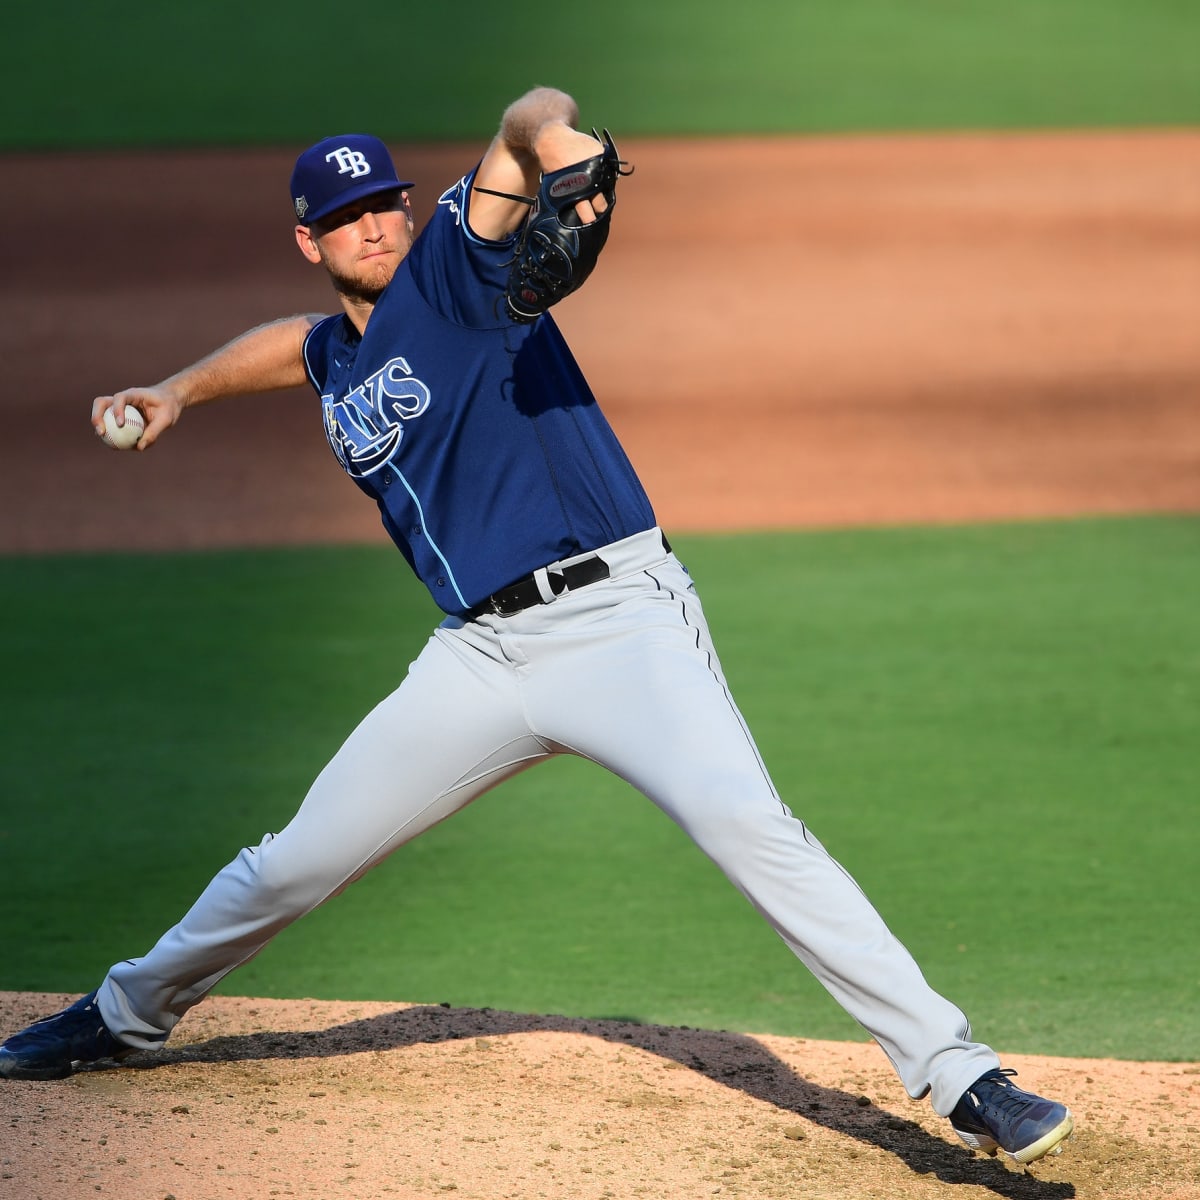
232, 73
994, 728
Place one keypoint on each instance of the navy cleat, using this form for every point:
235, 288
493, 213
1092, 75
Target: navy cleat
50, 1049
994, 1115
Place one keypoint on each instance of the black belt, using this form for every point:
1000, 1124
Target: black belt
525, 593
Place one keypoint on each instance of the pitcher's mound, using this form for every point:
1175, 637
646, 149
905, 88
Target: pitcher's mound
261, 1098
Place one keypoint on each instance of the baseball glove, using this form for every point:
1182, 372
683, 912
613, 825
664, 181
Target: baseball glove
557, 250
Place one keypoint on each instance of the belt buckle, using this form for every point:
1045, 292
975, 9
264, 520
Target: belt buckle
496, 603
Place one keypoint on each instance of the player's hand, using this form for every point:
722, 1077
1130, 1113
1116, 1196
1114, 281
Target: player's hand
158, 405
561, 146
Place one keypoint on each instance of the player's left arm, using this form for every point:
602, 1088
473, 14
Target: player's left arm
537, 135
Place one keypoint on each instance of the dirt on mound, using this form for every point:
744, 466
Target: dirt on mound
260, 1098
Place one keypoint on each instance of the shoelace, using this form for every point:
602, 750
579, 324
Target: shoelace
1006, 1098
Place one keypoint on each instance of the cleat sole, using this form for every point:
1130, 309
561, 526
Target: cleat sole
15, 1071
1049, 1146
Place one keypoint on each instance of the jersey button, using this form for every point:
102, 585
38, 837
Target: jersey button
417, 531
441, 582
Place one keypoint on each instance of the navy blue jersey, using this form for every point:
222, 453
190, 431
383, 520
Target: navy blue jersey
479, 439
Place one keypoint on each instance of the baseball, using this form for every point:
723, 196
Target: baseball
123, 437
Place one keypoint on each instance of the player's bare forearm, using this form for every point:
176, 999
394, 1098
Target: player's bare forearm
264, 359
527, 120
537, 134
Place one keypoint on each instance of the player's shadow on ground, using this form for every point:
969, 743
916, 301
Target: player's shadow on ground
730, 1059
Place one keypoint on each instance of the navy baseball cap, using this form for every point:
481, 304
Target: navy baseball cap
338, 171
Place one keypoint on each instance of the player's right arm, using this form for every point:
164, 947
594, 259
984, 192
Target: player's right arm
267, 358
537, 134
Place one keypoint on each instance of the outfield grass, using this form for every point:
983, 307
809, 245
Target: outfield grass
231, 73
995, 728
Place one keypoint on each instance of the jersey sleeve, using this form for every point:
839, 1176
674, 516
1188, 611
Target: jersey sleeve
459, 274
318, 351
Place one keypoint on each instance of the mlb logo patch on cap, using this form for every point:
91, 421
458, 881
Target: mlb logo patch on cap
340, 170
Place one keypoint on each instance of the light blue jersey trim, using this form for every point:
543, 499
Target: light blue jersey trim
308, 363
460, 205
432, 544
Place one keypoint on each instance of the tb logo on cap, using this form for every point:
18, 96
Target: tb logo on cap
350, 162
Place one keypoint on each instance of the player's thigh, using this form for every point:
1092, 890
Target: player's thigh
450, 731
646, 697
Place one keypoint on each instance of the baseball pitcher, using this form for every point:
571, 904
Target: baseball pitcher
449, 396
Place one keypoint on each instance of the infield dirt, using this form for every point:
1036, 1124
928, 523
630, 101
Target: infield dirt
864, 330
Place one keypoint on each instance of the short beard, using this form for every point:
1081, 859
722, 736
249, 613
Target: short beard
360, 290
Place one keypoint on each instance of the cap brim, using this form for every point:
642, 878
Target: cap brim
352, 195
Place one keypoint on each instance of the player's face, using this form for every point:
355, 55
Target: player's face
362, 244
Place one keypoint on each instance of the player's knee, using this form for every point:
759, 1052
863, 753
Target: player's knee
282, 881
731, 826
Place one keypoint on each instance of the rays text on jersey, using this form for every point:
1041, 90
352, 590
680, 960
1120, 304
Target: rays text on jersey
365, 426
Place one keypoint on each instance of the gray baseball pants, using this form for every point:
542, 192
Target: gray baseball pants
622, 672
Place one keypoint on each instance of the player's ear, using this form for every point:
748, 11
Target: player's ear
307, 244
